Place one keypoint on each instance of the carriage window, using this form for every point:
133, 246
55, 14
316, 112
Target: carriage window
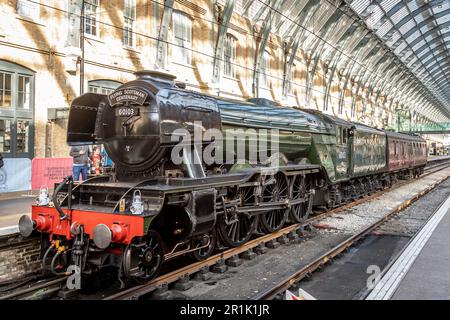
338, 135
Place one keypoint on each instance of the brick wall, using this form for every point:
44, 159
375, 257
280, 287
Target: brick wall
18, 257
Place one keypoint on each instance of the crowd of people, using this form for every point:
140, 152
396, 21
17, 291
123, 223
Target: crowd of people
89, 161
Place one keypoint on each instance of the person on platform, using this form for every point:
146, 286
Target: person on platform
107, 163
80, 162
97, 161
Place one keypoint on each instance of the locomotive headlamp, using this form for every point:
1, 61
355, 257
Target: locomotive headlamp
26, 226
137, 207
43, 199
102, 236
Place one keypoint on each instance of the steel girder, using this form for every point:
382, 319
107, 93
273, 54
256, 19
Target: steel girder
374, 79
318, 52
367, 74
310, 9
224, 21
305, 14
415, 35
161, 44
334, 60
361, 84
361, 42
269, 19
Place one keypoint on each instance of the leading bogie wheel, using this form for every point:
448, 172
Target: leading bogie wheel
206, 245
143, 257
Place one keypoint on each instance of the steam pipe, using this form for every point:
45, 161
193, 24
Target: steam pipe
62, 215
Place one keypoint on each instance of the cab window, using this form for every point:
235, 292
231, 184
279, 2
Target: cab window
341, 135
344, 135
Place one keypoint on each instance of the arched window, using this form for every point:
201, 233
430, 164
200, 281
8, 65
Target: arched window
182, 38
291, 81
16, 110
129, 17
265, 70
229, 56
103, 86
91, 17
28, 9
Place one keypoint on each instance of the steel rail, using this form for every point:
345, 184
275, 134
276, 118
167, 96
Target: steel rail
33, 288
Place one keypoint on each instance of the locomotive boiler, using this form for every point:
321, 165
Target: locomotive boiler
153, 208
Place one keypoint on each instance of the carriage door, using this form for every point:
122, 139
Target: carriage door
342, 152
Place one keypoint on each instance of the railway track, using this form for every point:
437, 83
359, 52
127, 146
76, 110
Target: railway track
290, 280
38, 290
41, 288
289, 232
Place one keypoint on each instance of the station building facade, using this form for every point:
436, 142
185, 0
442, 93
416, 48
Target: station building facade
49, 55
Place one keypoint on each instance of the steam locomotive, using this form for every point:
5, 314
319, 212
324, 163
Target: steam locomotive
153, 207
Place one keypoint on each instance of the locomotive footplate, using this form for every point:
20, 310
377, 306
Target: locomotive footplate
170, 185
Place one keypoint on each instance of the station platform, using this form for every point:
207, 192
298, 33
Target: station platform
437, 158
422, 269
11, 210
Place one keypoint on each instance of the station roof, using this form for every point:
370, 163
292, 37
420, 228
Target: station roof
418, 32
396, 48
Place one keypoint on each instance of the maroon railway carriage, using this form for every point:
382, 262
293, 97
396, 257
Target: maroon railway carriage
406, 154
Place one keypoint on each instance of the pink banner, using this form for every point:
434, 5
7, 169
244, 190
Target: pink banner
47, 171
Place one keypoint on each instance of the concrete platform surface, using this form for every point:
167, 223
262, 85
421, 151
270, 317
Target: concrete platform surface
437, 158
422, 271
429, 276
11, 210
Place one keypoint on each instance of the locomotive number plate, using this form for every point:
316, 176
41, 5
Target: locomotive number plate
127, 112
